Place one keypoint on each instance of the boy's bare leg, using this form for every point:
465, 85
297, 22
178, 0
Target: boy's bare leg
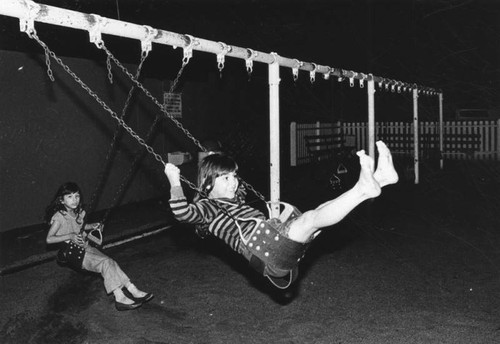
335, 210
385, 173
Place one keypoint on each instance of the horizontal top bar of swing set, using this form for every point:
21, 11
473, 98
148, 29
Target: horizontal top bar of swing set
76, 20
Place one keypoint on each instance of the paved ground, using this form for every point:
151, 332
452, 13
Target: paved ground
419, 265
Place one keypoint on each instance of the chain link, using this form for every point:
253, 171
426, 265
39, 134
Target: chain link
47, 59
110, 72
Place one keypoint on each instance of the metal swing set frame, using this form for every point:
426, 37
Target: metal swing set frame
30, 12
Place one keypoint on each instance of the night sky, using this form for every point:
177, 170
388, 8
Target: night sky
451, 45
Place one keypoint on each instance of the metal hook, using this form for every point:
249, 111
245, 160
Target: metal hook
351, 79
222, 56
146, 43
249, 60
326, 75
96, 24
295, 70
362, 80
188, 49
312, 74
27, 22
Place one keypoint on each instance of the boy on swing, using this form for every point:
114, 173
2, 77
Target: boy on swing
272, 247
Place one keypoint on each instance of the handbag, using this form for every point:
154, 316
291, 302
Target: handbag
71, 255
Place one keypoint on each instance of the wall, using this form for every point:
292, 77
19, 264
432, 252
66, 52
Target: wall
53, 132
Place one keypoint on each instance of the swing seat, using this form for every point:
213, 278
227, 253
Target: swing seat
272, 254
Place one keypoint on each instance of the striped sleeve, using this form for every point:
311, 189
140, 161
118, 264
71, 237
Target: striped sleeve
197, 213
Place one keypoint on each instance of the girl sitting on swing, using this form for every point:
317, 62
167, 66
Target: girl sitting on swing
66, 216
273, 247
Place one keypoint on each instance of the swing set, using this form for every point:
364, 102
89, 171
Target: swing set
30, 12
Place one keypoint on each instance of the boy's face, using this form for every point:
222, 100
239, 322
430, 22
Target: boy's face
225, 186
71, 201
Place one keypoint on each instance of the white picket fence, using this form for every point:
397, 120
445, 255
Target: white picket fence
356, 135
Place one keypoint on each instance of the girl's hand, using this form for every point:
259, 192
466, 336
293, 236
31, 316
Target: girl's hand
97, 225
173, 174
77, 239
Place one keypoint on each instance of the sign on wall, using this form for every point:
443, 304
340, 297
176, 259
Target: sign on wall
173, 104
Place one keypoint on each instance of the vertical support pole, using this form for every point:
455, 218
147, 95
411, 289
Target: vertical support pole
371, 117
441, 132
274, 137
415, 135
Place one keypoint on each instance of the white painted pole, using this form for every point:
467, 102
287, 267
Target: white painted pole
371, 118
274, 137
441, 133
415, 135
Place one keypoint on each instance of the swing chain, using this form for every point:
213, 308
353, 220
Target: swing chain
251, 188
122, 123
100, 101
165, 112
139, 155
149, 95
47, 58
114, 140
110, 73
27, 25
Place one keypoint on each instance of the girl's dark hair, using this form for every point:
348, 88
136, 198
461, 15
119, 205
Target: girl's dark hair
213, 166
56, 204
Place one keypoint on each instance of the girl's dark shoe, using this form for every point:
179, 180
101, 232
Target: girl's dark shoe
125, 307
141, 300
